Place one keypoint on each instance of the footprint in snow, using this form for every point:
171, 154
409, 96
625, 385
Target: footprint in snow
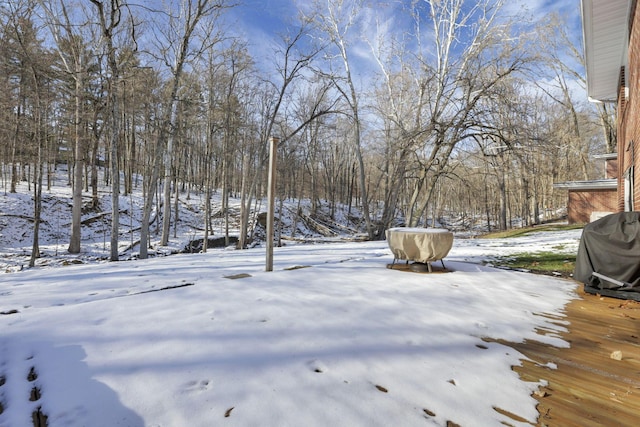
197, 386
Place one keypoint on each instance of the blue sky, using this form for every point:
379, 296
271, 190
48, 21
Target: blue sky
266, 17
260, 21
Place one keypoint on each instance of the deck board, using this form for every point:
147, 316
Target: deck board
587, 387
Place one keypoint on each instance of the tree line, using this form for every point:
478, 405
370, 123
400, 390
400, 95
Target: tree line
443, 107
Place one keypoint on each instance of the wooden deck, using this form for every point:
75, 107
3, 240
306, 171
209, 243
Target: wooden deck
597, 379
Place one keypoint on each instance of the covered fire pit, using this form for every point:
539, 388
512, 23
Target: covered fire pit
608, 260
420, 245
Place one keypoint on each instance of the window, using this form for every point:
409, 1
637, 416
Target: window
628, 189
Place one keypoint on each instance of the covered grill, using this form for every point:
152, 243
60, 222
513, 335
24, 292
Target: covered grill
608, 260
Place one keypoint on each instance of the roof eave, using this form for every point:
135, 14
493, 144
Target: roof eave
598, 184
605, 35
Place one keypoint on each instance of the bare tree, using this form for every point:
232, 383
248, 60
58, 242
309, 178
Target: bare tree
110, 16
177, 50
238, 65
33, 63
563, 60
475, 49
291, 62
75, 63
335, 23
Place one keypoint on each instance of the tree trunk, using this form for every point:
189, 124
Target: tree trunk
502, 189
115, 181
166, 214
78, 169
37, 175
244, 204
37, 205
14, 145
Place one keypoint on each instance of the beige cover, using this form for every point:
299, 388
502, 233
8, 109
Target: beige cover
419, 244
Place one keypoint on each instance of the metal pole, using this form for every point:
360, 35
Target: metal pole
271, 200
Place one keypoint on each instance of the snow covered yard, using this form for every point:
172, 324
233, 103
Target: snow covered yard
174, 341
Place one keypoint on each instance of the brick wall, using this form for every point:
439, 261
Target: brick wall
584, 202
611, 169
629, 114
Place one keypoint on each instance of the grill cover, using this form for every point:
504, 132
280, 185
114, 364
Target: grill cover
610, 246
